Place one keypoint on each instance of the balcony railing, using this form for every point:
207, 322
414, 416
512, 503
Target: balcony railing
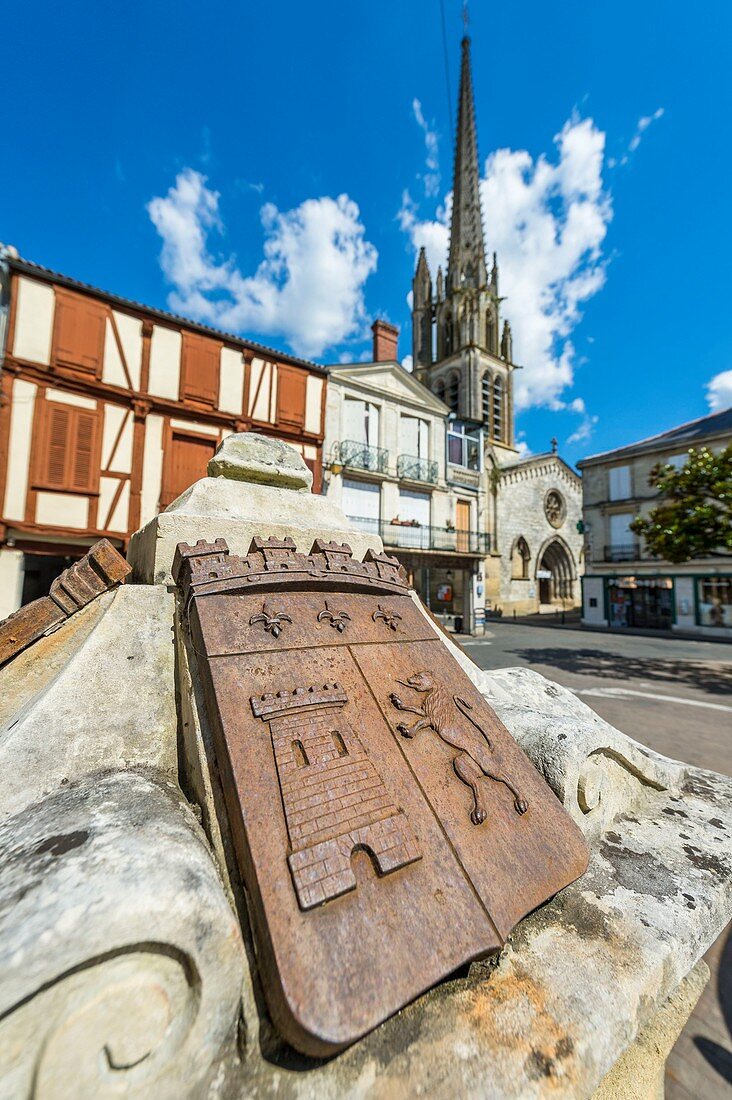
360, 456
415, 536
623, 551
418, 469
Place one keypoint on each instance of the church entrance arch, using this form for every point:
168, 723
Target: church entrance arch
555, 572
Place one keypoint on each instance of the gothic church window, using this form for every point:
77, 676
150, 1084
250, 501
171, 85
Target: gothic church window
439, 389
520, 560
453, 392
497, 420
486, 398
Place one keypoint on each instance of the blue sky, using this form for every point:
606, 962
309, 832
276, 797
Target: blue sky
271, 168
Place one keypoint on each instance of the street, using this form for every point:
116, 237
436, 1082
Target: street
675, 696
672, 695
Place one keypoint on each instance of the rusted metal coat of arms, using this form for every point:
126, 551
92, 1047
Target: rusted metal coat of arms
388, 828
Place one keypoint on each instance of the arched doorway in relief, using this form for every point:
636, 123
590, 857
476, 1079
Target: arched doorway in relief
556, 572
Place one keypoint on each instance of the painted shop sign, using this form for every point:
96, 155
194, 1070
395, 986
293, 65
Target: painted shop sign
387, 827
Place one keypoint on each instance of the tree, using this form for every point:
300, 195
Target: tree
694, 516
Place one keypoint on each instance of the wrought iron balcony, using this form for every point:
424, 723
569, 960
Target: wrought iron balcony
360, 456
417, 469
408, 535
624, 551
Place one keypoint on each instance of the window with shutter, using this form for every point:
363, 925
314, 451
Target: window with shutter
201, 363
78, 332
186, 459
69, 438
291, 384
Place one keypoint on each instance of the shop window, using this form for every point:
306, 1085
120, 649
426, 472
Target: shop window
714, 595
69, 448
78, 332
201, 358
291, 384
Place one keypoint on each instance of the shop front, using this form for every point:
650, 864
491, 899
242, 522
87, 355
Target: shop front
445, 586
641, 602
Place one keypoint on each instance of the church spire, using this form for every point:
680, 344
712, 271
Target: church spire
466, 265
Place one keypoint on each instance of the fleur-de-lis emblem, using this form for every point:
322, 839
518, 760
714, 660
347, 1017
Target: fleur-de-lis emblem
391, 618
338, 619
272, 620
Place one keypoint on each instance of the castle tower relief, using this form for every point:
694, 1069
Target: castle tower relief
335, 801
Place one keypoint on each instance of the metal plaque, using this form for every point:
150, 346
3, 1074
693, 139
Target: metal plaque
388, 828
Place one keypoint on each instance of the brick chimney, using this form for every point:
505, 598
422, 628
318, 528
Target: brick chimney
386, 339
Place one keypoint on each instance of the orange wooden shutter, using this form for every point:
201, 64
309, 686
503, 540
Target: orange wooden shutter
201, 359
186, 462
79, 329
82, 472
291, 384
57, 445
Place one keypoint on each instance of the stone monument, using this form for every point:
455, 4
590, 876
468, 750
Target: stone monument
127, 962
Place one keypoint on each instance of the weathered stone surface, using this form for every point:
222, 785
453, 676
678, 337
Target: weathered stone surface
639, 1073
596, 771
579, 981
91, 700
255, 458
121, 959
237, 511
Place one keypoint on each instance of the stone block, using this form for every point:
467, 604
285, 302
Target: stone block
98, 695
121, 959
249, 457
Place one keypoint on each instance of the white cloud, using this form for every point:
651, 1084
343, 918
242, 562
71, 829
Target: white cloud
307, 289
408, 363
642, 125
523, 448
719, 391
587, 424
547, 219
431, 177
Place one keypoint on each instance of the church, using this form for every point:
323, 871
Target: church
462, 351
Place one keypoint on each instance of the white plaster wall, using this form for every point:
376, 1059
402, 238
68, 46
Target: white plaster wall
12, 572
593, 589
152, 468
196, 426
263, 391
121, 460
231, 381
76, 399
34, 321
23, 398
119, 520
62, 510
165, 351
313, 398
130, 335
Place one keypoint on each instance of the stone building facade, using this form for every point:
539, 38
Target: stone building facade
538, 506
463, 352
624, 586
400, 470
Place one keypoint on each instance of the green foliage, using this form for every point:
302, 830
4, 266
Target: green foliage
694, 516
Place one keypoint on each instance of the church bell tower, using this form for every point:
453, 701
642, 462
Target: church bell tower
459, 351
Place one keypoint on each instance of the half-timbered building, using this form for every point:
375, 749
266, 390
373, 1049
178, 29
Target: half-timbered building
110, 409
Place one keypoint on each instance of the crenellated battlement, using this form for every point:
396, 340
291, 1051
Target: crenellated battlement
270, 705
204, 568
